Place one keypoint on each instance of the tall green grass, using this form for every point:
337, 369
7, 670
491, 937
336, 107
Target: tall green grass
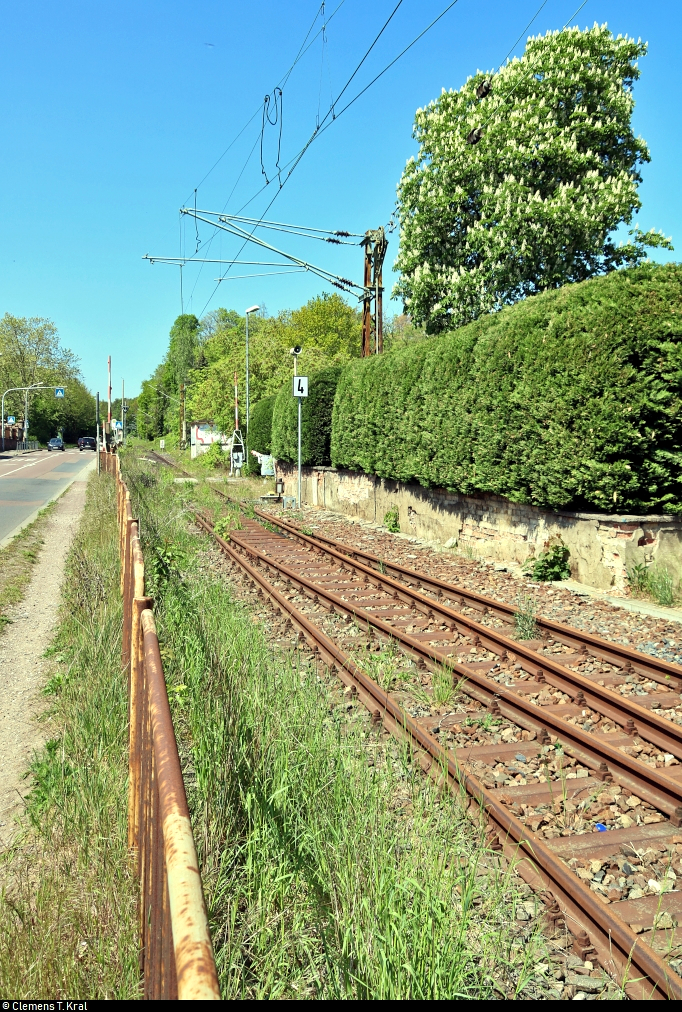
67, 895
653, 581
332, 868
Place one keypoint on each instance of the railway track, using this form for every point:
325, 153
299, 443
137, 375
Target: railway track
568, 743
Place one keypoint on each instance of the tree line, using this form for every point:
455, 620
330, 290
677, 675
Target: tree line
31, 353
204, 355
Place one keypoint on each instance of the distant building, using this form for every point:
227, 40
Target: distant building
202, 435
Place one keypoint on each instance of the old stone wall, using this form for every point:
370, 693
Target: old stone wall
602, 547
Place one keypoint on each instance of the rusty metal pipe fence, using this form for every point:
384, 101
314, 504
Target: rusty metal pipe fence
176, 955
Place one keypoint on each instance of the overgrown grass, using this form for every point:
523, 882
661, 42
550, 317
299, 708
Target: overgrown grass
16, 563
524, 619
333, 869
215, 466
654, 582
67, 904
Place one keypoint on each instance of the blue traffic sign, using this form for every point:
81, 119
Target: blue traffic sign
11, 419
59, 391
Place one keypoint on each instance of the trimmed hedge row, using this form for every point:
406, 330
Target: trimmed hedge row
260, 425
260, 433
316, 419
570, 399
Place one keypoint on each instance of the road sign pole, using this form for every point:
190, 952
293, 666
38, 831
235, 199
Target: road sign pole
300, 390
300, 401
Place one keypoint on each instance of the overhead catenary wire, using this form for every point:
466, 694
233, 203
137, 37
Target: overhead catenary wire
301, 52
331, 111
329, 276
234, 187
323, 126
538, 11
281, 184
175, 261
531, 69
303, 49
323, 234
267, 274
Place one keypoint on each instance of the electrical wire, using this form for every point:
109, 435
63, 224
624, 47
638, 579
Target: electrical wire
174, 261
293, 162
303, 49
284, 224
276, 99
506, 97
543, 4
335, 279
331, 111
324, 235
236, 183
268, 274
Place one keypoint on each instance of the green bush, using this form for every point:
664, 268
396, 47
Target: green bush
260, 432
551, 565
392, 520
569, 399
260, 425
316, 419
654, 581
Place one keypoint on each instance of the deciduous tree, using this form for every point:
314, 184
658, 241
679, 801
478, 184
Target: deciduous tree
521, 178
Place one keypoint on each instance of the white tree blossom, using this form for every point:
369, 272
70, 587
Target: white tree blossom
521, 177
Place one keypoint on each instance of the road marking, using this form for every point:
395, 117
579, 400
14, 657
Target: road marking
7, 473
32, 463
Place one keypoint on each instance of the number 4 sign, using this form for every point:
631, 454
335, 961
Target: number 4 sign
300, 386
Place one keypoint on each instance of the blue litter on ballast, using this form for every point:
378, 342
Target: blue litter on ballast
601, 827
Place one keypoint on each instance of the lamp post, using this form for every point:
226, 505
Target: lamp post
253, 309
34, 386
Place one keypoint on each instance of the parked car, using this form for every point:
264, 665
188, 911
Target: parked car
55, 444
87, 443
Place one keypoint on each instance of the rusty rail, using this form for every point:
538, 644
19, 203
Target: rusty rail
176, 955
595, 927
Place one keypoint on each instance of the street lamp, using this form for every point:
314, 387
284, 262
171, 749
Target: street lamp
34, 386
253, 309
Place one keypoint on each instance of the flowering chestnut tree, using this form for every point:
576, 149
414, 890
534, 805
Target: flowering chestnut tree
521, 178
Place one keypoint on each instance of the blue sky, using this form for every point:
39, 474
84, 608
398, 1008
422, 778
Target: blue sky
114, 112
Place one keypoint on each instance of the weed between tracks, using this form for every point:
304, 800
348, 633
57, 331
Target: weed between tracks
67, 906
333, 869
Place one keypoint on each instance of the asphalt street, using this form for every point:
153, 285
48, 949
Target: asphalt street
30, 481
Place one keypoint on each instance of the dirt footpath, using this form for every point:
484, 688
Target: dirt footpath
22, 666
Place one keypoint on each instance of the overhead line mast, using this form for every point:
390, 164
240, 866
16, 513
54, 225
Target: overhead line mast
375, 244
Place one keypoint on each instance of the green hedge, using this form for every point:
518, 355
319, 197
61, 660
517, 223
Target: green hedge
570, 399
316, 419
260, 433
260, 425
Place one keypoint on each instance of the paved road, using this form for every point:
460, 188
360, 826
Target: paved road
30, 481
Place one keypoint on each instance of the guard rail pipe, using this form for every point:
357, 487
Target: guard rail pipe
176, 955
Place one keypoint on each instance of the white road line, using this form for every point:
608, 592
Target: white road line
32, 464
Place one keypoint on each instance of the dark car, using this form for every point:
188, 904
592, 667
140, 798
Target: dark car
55, 444
87, 443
